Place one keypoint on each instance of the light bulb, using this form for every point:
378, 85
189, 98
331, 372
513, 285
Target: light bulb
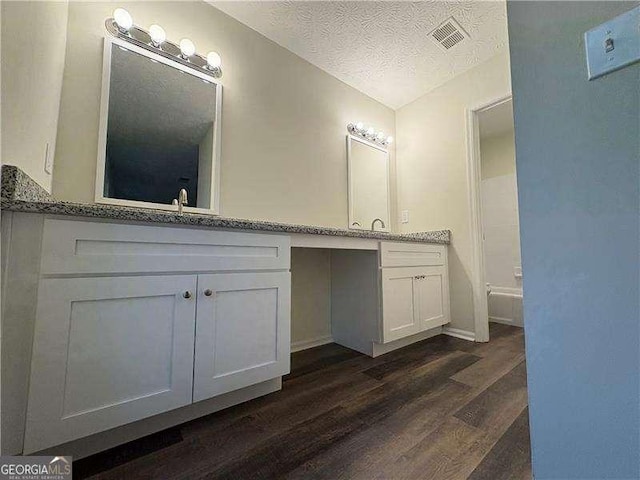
187, 48
380, 135
213, 60
360, 126
370, 131
123, 19
157, 34
389, 139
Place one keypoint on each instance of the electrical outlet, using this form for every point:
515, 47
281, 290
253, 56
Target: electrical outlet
48, 159
404, 216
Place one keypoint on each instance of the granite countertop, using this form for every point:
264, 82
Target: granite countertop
20, 193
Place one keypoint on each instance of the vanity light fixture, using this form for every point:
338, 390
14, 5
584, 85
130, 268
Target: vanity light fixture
213, 61
158, 35
155, 40
369, 133
187, 48
123, 20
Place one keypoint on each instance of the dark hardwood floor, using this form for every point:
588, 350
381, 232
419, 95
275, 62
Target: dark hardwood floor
439, 409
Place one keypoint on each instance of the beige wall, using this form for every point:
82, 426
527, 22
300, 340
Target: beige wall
310, 294
498, 154
34, 35
284, 120
432, 168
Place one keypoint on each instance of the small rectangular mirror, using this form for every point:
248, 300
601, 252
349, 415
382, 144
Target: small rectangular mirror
159, 131
368, 166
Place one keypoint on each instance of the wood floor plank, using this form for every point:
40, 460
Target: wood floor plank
442, 455
217, 443
510, 458
438, 409
490, 368
503, 400
414, 357
364, 454
317, 358
298, 445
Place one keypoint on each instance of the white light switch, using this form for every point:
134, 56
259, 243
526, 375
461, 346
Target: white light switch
613, 44
404, 217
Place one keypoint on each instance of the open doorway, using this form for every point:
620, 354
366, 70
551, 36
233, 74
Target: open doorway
499, 213
493, 204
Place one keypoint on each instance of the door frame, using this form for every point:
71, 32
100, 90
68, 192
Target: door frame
480, 304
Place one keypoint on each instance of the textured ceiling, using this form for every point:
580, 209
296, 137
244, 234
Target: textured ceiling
380, 48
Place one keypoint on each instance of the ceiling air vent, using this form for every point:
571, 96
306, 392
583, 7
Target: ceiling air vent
448, 34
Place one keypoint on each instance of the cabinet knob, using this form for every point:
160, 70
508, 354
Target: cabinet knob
187, 294
208, 292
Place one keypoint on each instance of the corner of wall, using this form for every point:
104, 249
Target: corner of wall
34, 36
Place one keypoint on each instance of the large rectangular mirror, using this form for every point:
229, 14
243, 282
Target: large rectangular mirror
159, 131
368, 166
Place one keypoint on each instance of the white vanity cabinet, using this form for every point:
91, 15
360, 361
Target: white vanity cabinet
242, 331
414, 299
415, 289
135, 320
385, 301
108, 351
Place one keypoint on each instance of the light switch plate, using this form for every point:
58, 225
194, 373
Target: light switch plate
517, 272
613, 44
404, 217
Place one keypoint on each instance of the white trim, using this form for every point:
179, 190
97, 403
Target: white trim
312, 240
506, 292
505, 321
480, 306
314, 342
214, 202
459, 333
387, 225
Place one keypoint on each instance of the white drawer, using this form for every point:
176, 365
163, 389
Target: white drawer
81, 247
397, 254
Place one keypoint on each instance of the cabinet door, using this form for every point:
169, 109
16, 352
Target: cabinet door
242, 331
108, 351
432, 297
399, 318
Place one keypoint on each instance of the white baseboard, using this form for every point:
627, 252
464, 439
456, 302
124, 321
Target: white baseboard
314, 342
459, 333
506, 321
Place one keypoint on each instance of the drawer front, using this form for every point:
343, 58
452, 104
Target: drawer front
79, 247
394, 254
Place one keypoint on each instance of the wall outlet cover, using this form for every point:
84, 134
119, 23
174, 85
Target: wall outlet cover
404, 216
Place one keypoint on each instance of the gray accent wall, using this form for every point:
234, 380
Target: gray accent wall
578, 158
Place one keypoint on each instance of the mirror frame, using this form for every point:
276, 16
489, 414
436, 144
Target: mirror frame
353, 138
214, 204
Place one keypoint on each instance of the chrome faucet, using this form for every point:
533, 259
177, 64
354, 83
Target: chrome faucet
373, 224
181, 201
